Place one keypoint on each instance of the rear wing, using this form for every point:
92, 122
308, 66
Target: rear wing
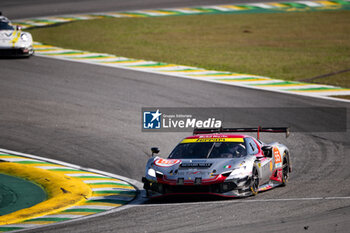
240, 130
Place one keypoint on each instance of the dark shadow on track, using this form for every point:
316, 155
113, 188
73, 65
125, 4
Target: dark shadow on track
13, 57
189, 199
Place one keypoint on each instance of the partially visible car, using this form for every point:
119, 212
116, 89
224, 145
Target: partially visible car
13, 41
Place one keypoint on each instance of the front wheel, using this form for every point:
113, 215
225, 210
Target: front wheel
285, 171
254, 185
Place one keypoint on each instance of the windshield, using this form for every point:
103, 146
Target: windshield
208, 150
5, 26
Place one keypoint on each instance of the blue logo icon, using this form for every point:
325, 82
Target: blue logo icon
152, 120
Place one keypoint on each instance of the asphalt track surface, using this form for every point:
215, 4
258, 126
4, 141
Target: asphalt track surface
90, 116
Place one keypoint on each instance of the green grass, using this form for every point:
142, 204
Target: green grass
291, 46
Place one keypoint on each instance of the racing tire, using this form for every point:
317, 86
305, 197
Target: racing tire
254, 184
285, 170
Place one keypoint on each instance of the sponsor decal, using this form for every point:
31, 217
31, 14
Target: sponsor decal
194, 140
166, 162
210, 140
278, 165
203, 165
278, 159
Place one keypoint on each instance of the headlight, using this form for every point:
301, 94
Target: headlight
151, 172
24, 37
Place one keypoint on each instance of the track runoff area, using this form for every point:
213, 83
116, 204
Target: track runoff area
188, 72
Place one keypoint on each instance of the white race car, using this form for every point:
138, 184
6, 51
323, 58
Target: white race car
13, 41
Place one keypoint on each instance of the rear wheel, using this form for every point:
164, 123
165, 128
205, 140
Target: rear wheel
254, 185
285, 171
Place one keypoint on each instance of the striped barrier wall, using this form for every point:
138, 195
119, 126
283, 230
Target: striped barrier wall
216, 9
102, 192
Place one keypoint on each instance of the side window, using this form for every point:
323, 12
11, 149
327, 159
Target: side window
251, 146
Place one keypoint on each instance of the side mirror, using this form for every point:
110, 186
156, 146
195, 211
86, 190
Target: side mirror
155, 150
267, 150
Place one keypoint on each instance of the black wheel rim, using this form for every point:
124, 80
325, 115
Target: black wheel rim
285, 170
255, 181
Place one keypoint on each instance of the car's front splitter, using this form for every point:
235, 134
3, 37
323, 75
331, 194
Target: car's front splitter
16, 52
225, 189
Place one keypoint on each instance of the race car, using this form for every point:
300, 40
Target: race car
220, 162
13, 41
